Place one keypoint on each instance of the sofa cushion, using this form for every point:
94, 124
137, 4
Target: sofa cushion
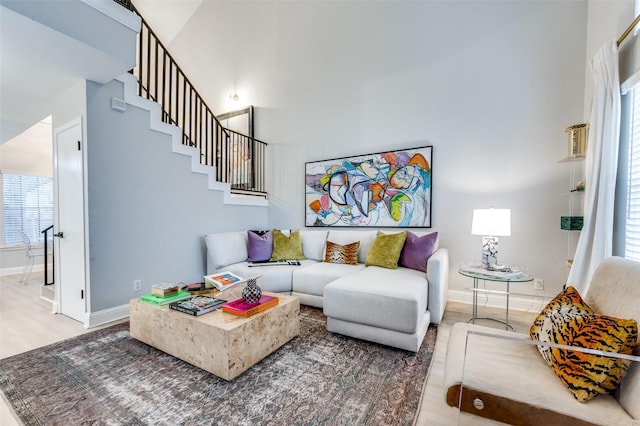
347, 254
276, 278
260, 245
366, 239
312, 279
386, 250
394, 299
313, 244
286, 247
567, 303
417, 250
614, 291
587, 375
225, 248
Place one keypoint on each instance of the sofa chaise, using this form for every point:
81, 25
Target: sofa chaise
389, 306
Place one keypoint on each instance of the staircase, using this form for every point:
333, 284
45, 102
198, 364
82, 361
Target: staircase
238, 159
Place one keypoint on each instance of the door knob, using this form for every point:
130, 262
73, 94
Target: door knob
59, 235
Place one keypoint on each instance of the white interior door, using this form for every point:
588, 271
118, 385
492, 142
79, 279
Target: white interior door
70, 229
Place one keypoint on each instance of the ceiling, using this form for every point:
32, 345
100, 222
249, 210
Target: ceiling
30, 152
39, 63
167, 18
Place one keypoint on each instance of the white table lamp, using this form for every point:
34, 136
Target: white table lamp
491, 223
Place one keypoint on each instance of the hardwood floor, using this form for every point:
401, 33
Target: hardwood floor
434, 411
26, 323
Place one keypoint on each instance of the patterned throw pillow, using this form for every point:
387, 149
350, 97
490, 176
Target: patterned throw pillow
587, 375
386, 250
287, 248
260, 245
568, 320
567, 303
417, 250
347, 254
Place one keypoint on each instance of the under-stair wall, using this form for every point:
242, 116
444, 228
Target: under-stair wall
148, 208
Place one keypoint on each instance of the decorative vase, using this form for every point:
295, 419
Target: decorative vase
251, 293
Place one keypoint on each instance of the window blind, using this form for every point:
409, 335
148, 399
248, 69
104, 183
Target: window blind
632, 237
27, 207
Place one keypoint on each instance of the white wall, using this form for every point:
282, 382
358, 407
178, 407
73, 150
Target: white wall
490, 84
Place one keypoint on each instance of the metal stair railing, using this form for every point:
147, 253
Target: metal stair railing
48, 274
239, 159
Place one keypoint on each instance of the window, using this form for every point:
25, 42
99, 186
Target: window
27, 207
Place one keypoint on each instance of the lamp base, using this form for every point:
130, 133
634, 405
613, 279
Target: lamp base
489, 251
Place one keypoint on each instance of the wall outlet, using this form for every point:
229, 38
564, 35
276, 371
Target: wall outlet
137, 285
538, 284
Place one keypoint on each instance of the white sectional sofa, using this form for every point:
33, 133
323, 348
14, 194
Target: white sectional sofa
389, 306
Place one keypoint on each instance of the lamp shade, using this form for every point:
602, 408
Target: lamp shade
492, 222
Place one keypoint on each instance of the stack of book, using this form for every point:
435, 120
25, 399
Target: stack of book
197, 305
164, 294
222, 280
239, 307
165, 290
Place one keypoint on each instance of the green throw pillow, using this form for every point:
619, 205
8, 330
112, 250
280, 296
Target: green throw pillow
287, 248
386, 250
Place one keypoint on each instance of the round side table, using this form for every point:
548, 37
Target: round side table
477, 273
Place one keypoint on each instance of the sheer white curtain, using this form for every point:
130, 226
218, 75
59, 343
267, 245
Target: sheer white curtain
601, 164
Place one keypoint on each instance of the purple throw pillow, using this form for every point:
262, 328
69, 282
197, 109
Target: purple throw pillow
260, 246
417, 250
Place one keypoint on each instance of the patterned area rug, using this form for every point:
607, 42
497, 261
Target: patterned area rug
108, 378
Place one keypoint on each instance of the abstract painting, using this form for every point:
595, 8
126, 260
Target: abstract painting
386, 189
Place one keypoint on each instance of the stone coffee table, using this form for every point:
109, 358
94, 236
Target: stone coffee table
220, 343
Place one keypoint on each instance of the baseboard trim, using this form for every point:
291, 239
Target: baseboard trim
108, 315
518, 303
19, 269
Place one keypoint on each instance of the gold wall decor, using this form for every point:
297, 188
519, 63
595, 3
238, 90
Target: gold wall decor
577, 140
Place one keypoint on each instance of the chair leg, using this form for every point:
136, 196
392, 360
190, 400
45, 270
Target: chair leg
24, 270
28, 269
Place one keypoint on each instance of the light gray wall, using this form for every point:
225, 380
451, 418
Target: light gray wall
148, 212
490, 84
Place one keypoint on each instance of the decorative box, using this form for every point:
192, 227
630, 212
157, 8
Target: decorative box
571, 223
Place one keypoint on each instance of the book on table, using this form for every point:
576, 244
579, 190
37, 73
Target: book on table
165, 290
241, 308
161, 301
222, 280
196, 289
197, 305
292, 262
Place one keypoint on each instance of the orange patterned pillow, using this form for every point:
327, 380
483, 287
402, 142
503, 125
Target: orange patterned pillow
568, 320
567, 303
587, 375
347, 254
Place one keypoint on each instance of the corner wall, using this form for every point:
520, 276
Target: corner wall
148, 212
